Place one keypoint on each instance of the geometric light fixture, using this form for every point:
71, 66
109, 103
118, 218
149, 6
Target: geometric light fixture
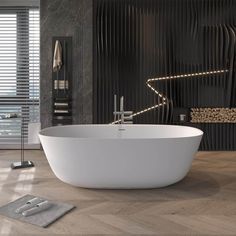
164, 99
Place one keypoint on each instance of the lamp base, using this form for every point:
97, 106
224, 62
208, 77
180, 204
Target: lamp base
23, 164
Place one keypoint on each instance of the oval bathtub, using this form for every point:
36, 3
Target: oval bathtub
105, 156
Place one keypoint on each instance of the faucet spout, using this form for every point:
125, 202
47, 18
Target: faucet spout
122, 116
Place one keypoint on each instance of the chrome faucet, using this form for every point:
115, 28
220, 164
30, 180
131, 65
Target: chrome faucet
121, 117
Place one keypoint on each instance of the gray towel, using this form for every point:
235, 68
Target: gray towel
42, 219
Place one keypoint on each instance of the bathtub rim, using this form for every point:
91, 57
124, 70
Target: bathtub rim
41, 132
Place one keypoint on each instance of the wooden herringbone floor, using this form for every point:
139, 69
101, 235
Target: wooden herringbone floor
204, 203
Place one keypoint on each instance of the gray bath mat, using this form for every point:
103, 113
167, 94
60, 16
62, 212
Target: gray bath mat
43, 218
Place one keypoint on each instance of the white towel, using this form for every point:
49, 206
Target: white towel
57, 57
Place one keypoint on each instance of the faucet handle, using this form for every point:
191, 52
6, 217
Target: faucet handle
128, 113
128, 118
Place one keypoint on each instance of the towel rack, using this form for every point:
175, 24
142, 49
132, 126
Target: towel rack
62, 84
22, 163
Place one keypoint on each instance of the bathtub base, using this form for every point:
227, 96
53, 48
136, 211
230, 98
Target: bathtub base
123, 187
140, 182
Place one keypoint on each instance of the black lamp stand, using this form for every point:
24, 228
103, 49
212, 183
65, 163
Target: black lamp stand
22, 163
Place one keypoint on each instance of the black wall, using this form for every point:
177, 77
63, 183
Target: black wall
139, 39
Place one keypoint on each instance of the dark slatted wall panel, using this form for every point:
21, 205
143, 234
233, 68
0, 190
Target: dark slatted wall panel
135, 40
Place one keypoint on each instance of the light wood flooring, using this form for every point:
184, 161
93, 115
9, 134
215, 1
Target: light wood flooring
204, 203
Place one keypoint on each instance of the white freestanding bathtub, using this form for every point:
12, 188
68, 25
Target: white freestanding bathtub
105, 156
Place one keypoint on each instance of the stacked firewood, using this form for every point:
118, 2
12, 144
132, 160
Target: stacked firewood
213, 115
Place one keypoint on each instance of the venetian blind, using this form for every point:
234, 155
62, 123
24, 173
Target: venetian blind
19, 71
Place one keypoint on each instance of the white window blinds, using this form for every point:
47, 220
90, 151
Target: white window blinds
19, 71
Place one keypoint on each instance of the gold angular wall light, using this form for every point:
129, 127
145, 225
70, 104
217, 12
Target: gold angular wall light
150, 81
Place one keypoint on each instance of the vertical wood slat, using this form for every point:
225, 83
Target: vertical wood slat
138, 39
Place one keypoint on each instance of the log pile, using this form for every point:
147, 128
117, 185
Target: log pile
213, 115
